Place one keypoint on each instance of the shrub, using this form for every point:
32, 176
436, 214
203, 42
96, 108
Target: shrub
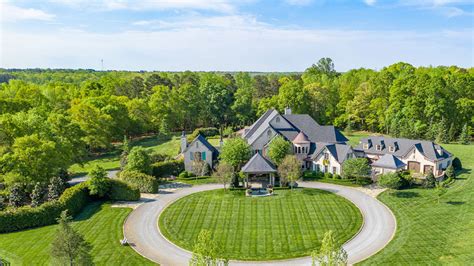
429, 181
457, 164
390, 180
450, 172
159, 157
120, 190
186, 175
38, 195
139, 160
145, 183
336, 176
56, 187
17, 195
98, 181
204, 131
357, 168
406, 178
327, 175
167, 168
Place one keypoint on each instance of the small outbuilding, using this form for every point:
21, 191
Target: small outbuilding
259, 171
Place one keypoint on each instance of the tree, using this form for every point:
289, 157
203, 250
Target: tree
243, 103
440, 190
236, 152
330, 254
278, 149
56, 187
38, 195
289, 170
430, 181
139, 160
17, 195
357, 168
325, 65
224, 173
390, 180
465, 137
98, 183
69, 247
450, 173
205, 251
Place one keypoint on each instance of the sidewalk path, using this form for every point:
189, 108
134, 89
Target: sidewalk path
142, 232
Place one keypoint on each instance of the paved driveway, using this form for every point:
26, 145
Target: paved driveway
142, 232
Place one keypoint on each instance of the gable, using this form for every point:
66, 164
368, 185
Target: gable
279, 122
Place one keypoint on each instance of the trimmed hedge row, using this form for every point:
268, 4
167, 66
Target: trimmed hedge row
204, 131
74, 199
167, 168
145, 183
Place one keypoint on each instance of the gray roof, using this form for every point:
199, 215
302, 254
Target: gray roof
389, 161
338, 151
314, 131
206, 143
402, 146
258, 165
255, 126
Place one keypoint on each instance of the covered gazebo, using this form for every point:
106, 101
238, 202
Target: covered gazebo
259, 169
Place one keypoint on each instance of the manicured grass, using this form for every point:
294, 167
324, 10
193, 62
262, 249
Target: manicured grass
429, 233
289, 224
101, 226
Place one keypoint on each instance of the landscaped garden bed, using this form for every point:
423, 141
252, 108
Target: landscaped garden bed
289, 224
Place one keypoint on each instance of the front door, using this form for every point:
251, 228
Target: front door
414, 166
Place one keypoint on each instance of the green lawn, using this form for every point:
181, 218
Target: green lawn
429, 233
101, 226
289, 224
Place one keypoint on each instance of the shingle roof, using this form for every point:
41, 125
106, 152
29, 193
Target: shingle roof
402, 147
338, 151
314, 131
258, 165
260, 125
389, 161
204, 142
301, 138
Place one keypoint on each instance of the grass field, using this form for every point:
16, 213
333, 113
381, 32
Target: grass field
101, 226
429, 233
289, 224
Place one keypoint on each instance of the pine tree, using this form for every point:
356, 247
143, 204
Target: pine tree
442, 134
55, 188
452, 133
38, 195
17, 195
464, 137
69, 247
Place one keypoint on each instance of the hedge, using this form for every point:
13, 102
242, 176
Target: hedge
204, 131
120, 190
145, 183
167, 168
73, 199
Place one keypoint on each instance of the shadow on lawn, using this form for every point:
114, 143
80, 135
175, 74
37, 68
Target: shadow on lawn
406, 194
89, 211
455, 202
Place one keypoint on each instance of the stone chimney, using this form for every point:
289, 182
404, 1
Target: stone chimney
184, 142
287, 110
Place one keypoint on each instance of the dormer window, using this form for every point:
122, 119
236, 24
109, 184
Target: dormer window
326, 156
366, 146
391, 148
378, 147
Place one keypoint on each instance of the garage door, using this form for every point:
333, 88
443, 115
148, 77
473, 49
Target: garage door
414, 166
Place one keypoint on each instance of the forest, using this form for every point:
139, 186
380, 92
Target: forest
50, 119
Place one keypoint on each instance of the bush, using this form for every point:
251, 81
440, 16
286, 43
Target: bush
336, 176
98, 181
139, 160
450, 172
327, 175
120, 190
145, 183
186, 175
167, 168
18, 195
204, 131
159, 157
429, 181
406, 178
390, 180
457, 164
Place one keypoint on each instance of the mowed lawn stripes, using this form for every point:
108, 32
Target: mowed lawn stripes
286, 225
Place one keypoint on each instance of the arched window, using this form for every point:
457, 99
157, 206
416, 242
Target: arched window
278, 119
269, 133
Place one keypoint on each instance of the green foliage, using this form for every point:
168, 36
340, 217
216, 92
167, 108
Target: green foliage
98, 181
223, 173
205, 251
236, 152
465, 136
17, 195
185, 175
120, 190
450, 173
204, 131
145, 183
356, 168
167, 168
390, 180
278, 149
55, 188
139, 160
430, 181
440, 189
289, 170
331, 253
69, 247
38, 195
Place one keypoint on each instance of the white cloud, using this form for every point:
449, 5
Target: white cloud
299, 2
232, 43
11, 13
370, 2
223, 6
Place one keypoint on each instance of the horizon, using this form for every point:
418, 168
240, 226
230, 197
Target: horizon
231, 36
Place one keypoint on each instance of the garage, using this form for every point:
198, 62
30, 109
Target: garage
414, 166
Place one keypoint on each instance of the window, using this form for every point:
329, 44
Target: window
316, 167
326, 156
366, 146
391, 148
299, 149
191, 155
334, 170
203, 156
269, 133
378, 147
197, 144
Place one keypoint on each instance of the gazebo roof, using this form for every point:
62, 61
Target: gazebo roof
389, 161
258, 165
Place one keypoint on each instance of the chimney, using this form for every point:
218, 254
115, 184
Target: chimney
287, 110
184, 142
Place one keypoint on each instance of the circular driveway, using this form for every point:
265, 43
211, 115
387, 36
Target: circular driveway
142, 232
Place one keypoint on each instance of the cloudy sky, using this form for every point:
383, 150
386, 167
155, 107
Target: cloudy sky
250, 35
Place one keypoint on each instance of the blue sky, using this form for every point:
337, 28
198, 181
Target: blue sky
249, 35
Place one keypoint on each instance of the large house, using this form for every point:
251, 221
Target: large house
324, 148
